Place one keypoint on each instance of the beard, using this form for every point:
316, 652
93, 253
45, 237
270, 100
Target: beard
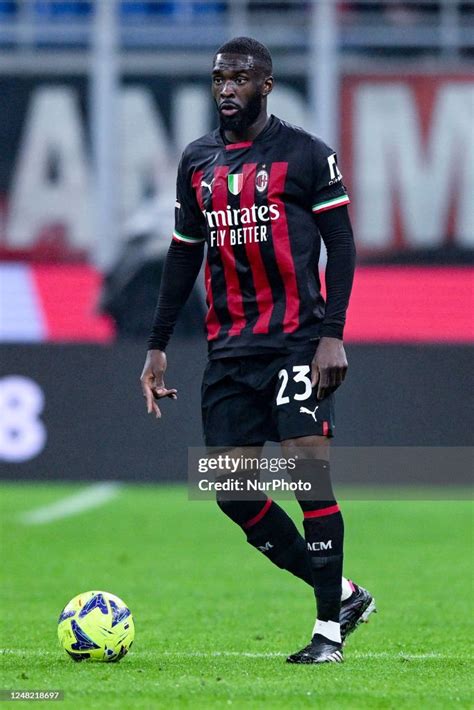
244, 118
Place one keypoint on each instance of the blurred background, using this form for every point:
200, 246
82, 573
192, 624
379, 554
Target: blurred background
98, 100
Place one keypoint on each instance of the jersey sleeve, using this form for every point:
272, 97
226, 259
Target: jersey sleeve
328, 189
189, 221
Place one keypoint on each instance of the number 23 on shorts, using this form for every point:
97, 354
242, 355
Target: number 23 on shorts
300, 375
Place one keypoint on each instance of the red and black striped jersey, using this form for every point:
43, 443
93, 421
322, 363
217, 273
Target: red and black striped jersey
254, 204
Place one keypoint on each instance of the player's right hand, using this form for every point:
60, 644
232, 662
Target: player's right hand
153, 386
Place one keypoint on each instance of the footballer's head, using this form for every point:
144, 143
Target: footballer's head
241, 81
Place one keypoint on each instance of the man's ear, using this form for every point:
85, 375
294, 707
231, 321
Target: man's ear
267, 86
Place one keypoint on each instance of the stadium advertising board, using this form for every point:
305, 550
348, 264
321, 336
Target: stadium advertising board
76, 412
413, 309
406, 148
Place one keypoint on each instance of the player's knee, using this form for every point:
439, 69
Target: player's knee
313, 478
241, 512
307, 447
228, 506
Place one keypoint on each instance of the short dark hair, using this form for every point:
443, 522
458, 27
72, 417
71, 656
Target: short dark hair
248, 46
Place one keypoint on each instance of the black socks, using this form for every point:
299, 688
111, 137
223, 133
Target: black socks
318, 558
269, 529
324, 533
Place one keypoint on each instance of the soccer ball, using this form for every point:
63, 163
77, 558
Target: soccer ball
96, 625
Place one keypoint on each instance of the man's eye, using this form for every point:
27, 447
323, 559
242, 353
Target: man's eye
217, 80
241, 80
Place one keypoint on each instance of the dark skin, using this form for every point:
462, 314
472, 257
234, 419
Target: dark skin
236, 79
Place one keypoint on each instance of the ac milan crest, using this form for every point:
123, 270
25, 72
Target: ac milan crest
261, 180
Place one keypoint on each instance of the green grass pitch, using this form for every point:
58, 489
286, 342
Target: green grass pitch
214, 619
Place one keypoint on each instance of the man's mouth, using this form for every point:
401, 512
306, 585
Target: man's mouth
228, 109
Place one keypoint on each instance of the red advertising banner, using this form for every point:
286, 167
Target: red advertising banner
408, 157
410, 304
389, 304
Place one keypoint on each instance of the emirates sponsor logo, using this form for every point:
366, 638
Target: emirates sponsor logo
231, 217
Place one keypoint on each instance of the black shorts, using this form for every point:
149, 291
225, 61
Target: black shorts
250, 400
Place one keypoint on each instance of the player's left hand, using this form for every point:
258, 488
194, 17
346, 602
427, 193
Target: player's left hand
329, 366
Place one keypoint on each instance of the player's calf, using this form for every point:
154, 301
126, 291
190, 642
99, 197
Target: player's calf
324, 534
271, 531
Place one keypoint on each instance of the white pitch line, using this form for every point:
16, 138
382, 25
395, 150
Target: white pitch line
355, 655
91, 497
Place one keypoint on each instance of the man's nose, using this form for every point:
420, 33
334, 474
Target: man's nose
227, 89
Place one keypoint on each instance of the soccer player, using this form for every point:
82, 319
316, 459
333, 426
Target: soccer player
260, 193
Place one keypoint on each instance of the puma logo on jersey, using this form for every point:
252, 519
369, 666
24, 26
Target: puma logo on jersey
303, 410
207, 184
265, 548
